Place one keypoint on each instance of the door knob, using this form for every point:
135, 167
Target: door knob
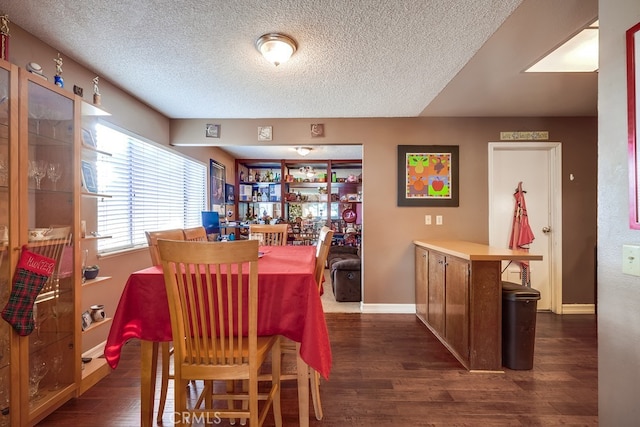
546, 229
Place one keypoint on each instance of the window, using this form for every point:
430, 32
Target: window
151, 188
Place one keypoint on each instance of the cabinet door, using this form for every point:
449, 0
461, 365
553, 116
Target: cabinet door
456, 306
422, 279
436, 292
8, 216
48, 200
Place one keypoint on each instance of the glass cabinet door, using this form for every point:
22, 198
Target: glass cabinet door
5, 262
48, 215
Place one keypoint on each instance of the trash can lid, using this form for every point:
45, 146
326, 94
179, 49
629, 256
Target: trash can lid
516, 292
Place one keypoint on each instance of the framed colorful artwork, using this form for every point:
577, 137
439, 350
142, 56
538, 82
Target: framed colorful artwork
633, 104
428, 175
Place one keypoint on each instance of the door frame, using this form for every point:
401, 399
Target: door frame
555, 204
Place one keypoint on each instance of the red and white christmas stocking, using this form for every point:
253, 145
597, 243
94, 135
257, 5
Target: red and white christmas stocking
32, 273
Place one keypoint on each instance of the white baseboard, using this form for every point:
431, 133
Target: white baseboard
578, 309
389, 308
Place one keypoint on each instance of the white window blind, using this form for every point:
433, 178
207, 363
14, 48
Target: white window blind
151, 188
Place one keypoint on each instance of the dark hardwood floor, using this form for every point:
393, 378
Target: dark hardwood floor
388, 370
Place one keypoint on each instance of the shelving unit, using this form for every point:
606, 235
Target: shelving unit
95, 335
307, 194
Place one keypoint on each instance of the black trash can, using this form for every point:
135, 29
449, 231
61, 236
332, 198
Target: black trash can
519, 309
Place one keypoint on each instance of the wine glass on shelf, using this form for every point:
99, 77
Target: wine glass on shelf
38, 318
37, 112
39, 171
54, 173
38, 371
56, 366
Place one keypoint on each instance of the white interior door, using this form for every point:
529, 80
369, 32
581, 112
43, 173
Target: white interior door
537, 165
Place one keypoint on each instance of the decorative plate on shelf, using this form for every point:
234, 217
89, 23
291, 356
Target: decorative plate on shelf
349, 215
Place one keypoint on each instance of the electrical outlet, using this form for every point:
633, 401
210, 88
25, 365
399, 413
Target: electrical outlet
427, 220
438, 219
631, 260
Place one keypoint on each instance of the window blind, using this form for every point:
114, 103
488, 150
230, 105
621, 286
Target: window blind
151, 188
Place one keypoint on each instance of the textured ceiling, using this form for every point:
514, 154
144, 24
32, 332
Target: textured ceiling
355, 58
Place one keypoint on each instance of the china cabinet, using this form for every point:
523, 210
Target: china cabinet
40, 209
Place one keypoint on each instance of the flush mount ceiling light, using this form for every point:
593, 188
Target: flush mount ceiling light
303, 151
578, 54
276, 48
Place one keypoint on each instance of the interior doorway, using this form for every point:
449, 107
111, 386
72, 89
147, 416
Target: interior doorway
538, 166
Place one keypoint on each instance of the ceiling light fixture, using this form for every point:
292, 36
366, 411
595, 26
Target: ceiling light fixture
578, 54
303, 151
276, 48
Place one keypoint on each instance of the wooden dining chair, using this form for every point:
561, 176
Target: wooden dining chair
288, 346
214, 321
165, 348
195, 234
52, 245
269, 234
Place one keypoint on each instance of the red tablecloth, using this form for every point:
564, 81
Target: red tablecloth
288, 305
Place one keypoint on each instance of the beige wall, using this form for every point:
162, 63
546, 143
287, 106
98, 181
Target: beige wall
389, 230
618, 294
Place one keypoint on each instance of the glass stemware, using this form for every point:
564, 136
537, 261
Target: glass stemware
56, 366
38, 371
39, 168
54, 173
38, 318
37, 112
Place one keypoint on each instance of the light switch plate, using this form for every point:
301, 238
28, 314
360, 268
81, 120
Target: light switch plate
427, 220
631, 260
438, 219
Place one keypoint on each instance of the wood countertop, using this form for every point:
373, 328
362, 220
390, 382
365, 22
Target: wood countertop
476, 251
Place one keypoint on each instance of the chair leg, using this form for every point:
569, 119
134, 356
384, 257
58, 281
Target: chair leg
164, 382
314, 376
276, 372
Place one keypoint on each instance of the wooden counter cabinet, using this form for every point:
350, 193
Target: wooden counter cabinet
459, 298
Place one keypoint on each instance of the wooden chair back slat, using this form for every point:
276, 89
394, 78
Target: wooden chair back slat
269, 234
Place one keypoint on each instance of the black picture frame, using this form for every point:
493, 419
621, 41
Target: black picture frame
217, 175
229, 194
428, 175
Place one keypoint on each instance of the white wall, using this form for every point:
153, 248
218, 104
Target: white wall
618, 294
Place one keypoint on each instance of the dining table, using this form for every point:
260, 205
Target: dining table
288, 304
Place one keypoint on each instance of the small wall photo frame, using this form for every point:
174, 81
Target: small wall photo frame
428, 175
88, 139
265, 133
317, 130
89, 177
212, 131
229, 194
86, 320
